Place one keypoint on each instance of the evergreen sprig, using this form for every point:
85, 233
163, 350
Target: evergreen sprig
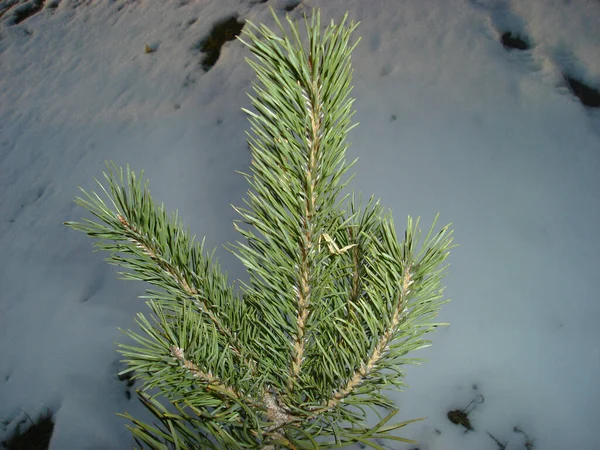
335, 301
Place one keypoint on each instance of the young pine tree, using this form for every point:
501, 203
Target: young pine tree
334, 302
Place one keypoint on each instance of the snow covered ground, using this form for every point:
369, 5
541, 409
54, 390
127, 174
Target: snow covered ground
450, 120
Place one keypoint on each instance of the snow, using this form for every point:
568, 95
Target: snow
450, 122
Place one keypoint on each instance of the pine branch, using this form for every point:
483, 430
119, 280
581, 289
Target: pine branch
335, 301
156, 249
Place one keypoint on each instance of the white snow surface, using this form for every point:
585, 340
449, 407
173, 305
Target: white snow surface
450, 122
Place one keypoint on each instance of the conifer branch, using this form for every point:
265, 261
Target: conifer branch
335, 300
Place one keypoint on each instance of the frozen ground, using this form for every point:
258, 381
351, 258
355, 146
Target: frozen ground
450, 120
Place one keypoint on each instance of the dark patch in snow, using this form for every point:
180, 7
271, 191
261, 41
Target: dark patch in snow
291, 6
36, 437
510, 41
461, 416
589, 96
223, 31
127, 378
27, 10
